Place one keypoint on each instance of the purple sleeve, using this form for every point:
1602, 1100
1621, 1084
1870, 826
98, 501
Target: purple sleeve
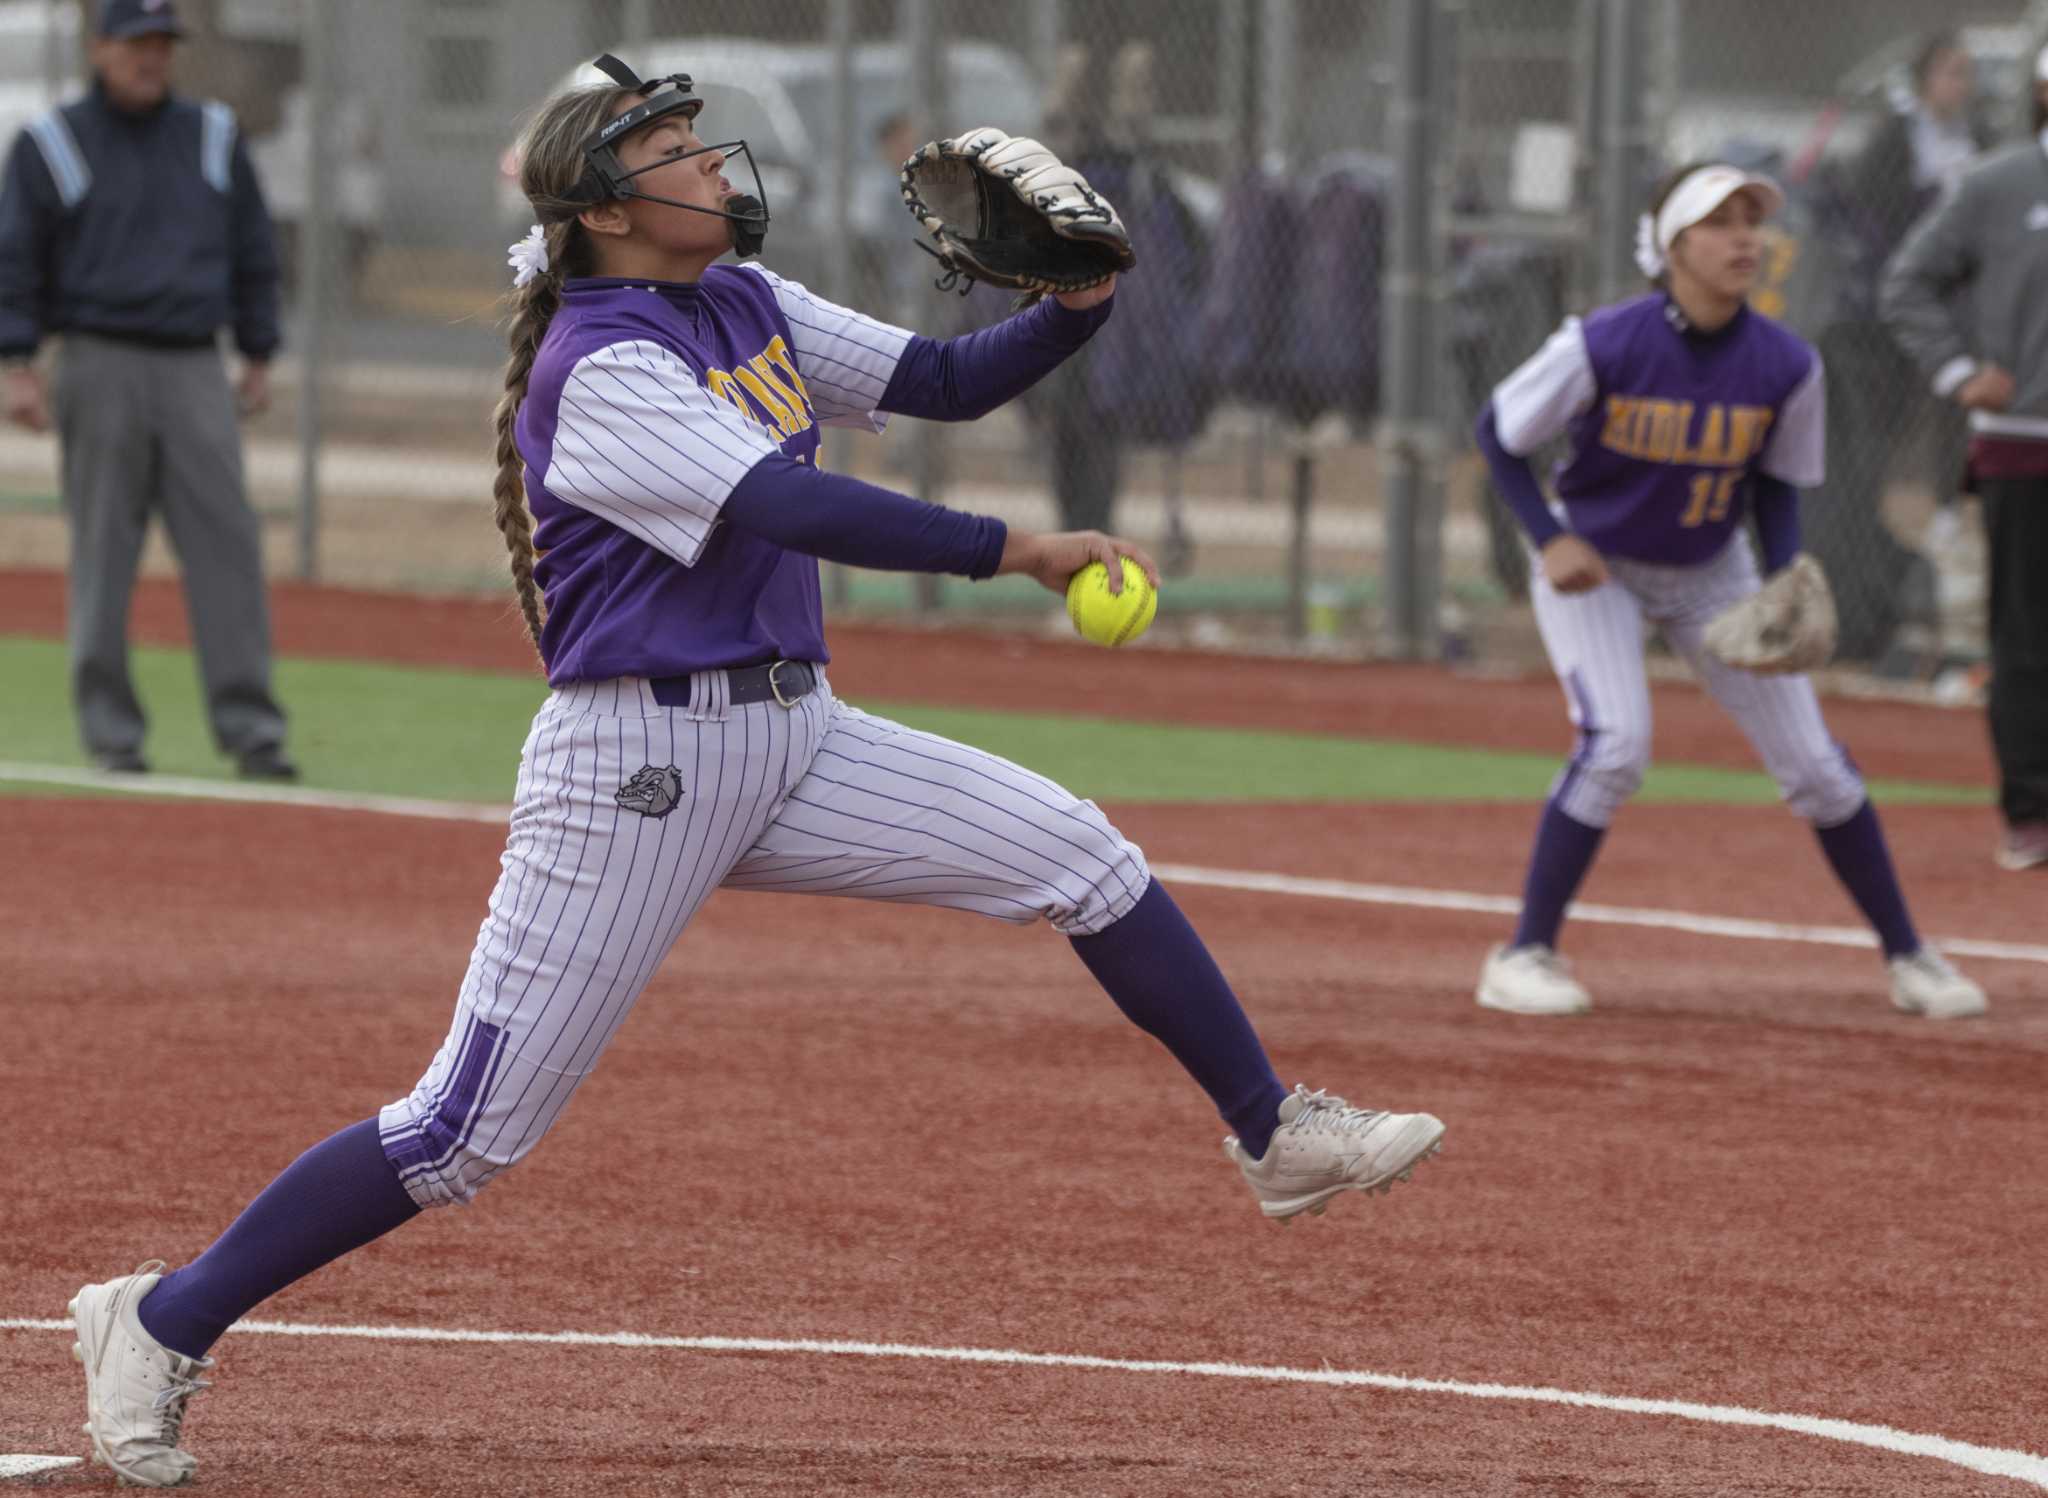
842, 519
959, 379
1517, 483
1777, 521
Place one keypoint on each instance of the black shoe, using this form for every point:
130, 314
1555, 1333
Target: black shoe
122, 762
267, 763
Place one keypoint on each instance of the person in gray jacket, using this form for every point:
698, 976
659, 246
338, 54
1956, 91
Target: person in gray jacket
132, 226
1967, 297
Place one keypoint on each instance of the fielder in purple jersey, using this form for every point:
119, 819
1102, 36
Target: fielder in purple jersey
1685, 411
659, 496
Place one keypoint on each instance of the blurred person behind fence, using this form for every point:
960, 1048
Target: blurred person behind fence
1086, 452
1924, 145
1142, 384
1967, 297
132, 226
1886, 589
1928, 139
884, 277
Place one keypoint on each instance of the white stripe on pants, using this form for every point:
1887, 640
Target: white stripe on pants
1595, 644
816, 799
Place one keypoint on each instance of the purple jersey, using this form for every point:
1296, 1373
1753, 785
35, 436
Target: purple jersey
1667, 426
645, 406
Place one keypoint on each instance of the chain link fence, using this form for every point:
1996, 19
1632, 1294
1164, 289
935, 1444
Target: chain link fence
1354, 217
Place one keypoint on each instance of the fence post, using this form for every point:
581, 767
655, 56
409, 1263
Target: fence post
839, 35
1046, 24
1279, 80
316, 267
928, 77
1624, 142
1409, 374
638, 23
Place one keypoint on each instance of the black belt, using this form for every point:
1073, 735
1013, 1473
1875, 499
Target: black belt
170, 343
786, 682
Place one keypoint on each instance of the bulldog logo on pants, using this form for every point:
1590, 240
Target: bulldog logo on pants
652, 792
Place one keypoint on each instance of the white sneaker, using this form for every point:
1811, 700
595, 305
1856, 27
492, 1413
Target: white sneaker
1924, 982
135, 1387
1531, 980
1324, 1146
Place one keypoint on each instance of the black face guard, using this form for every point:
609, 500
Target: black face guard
607, 177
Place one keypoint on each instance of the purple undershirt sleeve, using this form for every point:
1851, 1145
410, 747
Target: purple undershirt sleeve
1777, 521
959, 379
1516, 481
843, 519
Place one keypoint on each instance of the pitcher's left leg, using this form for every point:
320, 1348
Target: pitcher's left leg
888, 813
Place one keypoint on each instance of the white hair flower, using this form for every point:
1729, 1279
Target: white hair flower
1649, 259
529, 257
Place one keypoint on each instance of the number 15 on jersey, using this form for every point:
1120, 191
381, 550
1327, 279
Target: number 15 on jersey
1712, 494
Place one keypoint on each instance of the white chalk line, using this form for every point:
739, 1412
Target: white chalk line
1733, 928
1993, 1461
29, 1466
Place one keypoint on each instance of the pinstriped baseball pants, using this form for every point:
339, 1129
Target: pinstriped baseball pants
610, 855
1595, 642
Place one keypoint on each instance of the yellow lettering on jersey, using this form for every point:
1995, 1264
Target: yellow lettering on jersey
778, 353
784, 420
1668, 421
1646, 429
1707, 450
1623, 432
1614, 435
1660, 431
1748, 426
727, 389
799, 407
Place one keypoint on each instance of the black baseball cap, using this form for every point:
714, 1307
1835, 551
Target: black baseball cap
119, 18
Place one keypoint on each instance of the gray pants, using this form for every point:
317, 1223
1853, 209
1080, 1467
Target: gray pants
148, 431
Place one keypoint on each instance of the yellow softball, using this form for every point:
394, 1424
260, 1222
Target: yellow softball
1106, 618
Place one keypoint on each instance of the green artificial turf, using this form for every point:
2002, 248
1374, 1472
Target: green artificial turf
455, 735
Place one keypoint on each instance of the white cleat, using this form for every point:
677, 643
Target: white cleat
1924, 982
135, 1387
1530, 980
1324, 1146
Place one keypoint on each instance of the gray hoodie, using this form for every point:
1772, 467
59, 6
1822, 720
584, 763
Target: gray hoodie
1970, 286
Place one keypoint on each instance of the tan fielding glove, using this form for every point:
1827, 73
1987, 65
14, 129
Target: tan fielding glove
1787, 625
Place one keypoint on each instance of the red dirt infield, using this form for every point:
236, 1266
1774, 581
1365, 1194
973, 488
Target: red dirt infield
1742, 1181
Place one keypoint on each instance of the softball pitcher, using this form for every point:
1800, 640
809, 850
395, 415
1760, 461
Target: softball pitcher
658, 494
1684, 409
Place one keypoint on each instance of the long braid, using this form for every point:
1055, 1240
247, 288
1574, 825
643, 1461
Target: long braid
533, 308
551, 168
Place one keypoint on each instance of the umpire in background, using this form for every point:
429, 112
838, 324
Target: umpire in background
131, 224
1967, 298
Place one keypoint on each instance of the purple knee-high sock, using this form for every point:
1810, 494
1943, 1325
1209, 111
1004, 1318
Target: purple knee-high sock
1564, 851
1162, 977
334, 1198
1856, 849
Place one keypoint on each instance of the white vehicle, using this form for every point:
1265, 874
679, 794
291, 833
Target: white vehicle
356, 197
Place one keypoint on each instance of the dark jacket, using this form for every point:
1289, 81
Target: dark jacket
146, 227
1885, 198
